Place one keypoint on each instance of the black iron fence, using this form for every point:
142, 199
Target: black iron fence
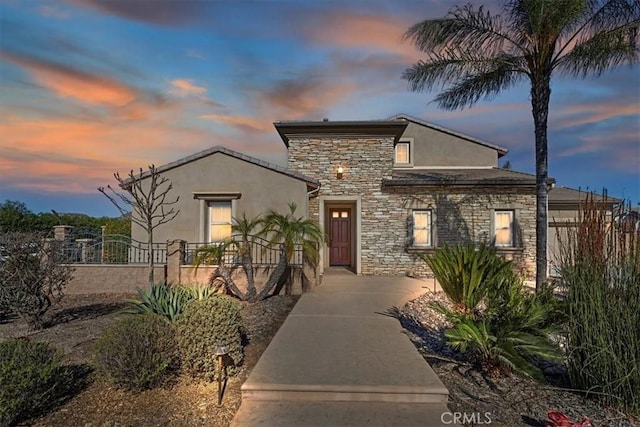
263, 252
112, 249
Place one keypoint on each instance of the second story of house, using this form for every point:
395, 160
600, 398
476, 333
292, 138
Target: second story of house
424, 145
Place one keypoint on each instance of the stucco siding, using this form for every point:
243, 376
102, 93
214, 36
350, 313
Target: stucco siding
261, 190
434, 148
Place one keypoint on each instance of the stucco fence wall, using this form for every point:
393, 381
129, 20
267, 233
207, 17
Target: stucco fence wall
127, 278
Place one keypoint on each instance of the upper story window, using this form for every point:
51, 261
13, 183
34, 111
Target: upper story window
503, 225
219, 220
402, 153
422, 228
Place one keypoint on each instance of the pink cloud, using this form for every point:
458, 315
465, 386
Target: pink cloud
577, 115
69, 83
377, 32
246, 123
186, 87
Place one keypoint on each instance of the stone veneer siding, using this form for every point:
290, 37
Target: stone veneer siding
459, 215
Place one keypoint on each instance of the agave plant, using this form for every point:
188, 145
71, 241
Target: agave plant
162, 299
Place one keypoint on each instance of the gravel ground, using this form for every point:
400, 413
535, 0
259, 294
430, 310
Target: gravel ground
509, 401
77, 322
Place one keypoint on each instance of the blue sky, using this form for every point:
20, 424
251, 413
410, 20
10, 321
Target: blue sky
89, 88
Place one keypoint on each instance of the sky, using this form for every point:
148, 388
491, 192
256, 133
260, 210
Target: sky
93, 87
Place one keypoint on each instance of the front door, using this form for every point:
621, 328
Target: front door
340, 236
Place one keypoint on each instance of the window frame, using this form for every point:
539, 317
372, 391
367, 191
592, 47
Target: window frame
429, 228
409, 143
512, 216
210, 223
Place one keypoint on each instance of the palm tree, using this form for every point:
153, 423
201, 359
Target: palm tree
245, 228
473, 55
214, 254
289, 231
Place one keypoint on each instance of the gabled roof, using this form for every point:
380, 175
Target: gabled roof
501, 150
462, 177
571, 196
338, 128
240, 156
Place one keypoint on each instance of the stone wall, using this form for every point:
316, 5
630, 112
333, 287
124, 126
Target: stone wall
459, 214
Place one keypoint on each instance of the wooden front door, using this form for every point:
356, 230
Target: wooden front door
340, 236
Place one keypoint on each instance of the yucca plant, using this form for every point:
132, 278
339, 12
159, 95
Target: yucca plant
162, 299
465, 272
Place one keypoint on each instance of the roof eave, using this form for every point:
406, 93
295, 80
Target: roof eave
393, 128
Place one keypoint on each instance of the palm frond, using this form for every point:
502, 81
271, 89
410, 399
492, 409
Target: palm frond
602, 51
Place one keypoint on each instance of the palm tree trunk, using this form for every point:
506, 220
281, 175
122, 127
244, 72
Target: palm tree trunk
225, 273
247, 265
540, 96
274, 277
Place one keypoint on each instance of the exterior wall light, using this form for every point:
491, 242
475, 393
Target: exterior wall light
340, 172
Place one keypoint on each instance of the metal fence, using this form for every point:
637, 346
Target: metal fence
112, 249
263, 252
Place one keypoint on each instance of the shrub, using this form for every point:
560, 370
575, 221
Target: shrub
32, 276
465, 272
500, 325
600, 266
204, 325
512, 333
138, 352
162, 299
31, 379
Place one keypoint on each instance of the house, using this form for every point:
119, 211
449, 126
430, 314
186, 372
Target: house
383, 191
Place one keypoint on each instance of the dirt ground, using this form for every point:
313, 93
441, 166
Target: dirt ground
77, 322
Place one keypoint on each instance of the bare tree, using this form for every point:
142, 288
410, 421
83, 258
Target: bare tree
146, 195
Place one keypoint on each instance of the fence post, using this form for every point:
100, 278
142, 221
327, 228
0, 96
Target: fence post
61, 232
175, 255
85, 256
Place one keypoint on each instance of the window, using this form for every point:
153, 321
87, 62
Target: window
219, 221
402, 153
421, 228
503, 224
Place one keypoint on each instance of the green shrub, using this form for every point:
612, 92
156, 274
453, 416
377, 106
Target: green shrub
138, 352
512, 328
465, 272
204, 325
31, 379
162, 299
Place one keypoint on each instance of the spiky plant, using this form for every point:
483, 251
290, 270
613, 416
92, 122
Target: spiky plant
162, 299
465, 272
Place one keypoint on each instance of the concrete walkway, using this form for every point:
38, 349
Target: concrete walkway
341, 359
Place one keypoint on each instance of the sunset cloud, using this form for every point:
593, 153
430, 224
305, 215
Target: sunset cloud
576, 115
164, 13
67, 82
186, 87
358, 30
246, 123
304, 97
